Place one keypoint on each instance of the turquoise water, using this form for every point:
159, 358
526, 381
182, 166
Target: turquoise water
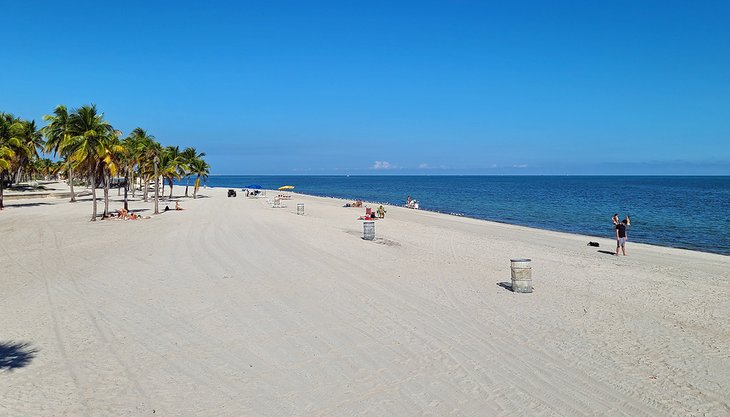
682, 212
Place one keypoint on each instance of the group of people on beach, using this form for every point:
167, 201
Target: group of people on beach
411, 203
621, 235
122, 214
371, 214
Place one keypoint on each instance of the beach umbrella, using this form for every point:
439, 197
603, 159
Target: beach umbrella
253, 187
286, 187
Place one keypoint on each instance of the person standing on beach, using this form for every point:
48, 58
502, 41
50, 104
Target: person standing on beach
621, 236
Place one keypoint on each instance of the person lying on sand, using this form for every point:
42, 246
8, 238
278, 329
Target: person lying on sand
178, 207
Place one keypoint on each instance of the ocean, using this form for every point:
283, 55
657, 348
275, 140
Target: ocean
681, 212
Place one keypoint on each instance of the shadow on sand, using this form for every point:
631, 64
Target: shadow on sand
505, 285
26, 204
607, 252
14, 355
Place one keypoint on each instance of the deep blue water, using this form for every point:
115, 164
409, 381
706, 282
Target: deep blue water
682, 212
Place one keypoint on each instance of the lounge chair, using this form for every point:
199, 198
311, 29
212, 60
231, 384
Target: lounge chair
277, 203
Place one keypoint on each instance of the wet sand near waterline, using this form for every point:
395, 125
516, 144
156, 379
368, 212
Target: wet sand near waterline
234, 308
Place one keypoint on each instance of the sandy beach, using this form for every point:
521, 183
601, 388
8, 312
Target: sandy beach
234, 308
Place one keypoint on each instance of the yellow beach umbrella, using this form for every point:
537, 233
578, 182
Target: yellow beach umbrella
286, 187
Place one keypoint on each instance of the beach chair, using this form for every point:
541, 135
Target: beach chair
277, 203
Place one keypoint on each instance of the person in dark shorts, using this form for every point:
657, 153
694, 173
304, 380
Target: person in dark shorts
621, 236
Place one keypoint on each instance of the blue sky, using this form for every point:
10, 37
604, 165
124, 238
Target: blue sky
385, 87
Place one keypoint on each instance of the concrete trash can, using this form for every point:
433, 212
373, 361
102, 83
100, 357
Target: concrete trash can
300, 209
368, 230
521, 275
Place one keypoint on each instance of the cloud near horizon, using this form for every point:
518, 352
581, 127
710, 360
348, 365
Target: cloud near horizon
383, 165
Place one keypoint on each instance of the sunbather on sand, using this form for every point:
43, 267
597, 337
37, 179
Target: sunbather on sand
178, 207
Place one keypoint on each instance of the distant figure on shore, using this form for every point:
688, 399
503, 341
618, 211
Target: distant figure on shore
408, 201
621, 236
178, 206
381, 212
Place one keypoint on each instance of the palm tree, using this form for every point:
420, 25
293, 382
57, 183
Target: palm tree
6, 156
31, 140
58, 133
189, 155
84, 141
8, 144
42, 168
128, 158
112, 149
200, 169
57, 169
156, 162
171, 165
89, 133
19, 143
150, 166
143, 149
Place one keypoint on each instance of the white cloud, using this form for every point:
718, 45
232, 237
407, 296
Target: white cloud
423, 166
520, 166
382, 165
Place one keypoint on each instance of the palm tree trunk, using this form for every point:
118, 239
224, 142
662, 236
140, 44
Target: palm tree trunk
144, 181
131, 183
17, 174
187, 184
107, 180
2, 190
92, 174
71, 182
195, 187
126, 188
169, 180
157, 189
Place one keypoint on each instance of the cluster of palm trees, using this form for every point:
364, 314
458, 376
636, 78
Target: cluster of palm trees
89, 148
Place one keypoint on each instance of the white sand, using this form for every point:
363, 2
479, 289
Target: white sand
232, 308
